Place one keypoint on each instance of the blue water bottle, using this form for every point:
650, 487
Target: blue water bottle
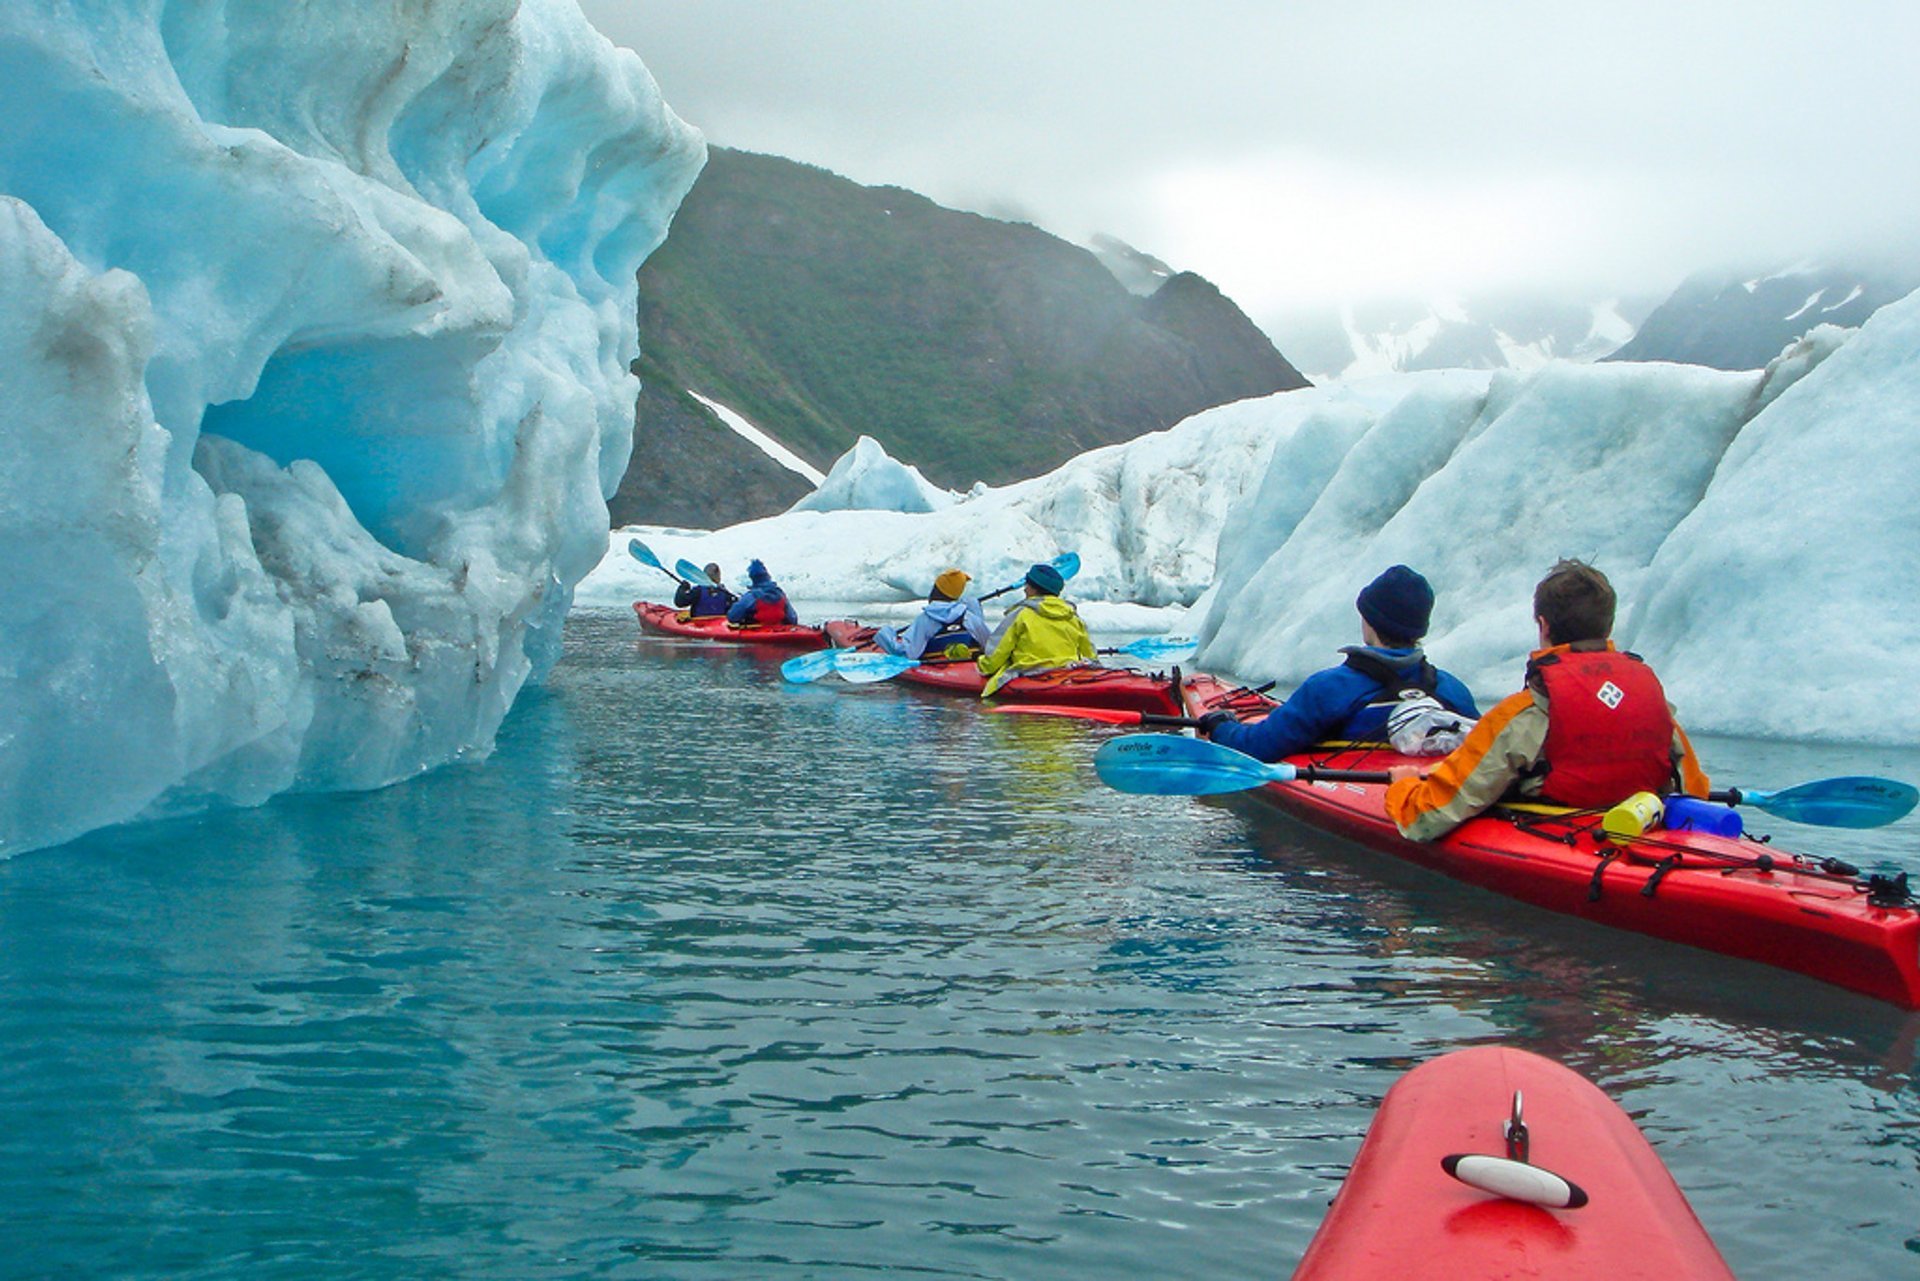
1691, 814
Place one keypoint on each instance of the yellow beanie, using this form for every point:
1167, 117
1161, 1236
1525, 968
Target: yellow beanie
951, 584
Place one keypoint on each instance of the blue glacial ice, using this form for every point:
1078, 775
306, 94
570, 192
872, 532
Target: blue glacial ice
315, 326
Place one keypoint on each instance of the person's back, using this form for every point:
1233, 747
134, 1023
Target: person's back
1042, 632
1590, 728
1355, 700
708, 599
764, 604
950, 626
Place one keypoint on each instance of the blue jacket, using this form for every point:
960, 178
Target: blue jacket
948, 616
763, 588
1338, 703
703, 600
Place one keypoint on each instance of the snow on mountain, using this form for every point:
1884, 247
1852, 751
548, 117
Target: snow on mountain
1728, 321
1138, 270
1757, 525
760, 440
315, 324
1383, 337
867, 478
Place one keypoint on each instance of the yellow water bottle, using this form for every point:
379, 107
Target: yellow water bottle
1638, 814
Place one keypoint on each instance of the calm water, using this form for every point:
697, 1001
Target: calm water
701, 976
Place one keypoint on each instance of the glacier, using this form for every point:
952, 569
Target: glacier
315, 334
1759, 526
867, 478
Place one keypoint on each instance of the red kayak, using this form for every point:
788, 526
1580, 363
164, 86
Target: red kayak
1731, 895
1415, 1204
1116, 688
665, 620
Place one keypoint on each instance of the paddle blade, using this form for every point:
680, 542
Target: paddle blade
1171, 765
690, 571
1155, 648
865, 667
808, 667
1104, 715
1850, 801
644, 554
1068, 563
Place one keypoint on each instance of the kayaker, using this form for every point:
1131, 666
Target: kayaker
765, 604
950, 626
1043, 631
1386, 674
1591, 728
704, 600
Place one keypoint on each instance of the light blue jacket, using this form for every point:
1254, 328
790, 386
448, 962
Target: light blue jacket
939, 616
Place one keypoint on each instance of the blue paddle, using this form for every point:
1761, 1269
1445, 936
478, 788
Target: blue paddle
809, 667
1853, 800
1173, 765
1068, 563
690, 571
644, 554
866, 666
1154, 648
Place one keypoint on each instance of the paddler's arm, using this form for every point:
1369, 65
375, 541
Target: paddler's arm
1313, 712
1083, 642
1496, 755
997, 657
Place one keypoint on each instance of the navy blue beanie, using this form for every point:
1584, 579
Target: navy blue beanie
1046, 580
1398, 604
756, 572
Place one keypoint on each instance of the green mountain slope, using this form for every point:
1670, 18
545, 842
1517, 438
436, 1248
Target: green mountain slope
976, 349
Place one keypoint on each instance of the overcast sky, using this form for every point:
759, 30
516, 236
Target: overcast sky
1305, 153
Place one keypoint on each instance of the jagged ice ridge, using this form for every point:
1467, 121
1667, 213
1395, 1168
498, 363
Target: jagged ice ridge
315, 326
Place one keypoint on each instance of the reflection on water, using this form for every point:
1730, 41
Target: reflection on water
705, 976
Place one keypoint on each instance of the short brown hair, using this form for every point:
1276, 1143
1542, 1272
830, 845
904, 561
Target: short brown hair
1576, 602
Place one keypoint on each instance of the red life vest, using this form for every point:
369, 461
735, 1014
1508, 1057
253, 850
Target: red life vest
768, 613
1609, 733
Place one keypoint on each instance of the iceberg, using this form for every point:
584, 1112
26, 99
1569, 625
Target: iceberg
1756, 524
867, 478
315, 334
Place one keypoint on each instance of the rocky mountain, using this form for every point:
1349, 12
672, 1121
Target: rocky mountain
821, 310
1735, 322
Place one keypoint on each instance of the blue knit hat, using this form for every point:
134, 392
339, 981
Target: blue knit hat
757, 572
1398, 604
1046, 580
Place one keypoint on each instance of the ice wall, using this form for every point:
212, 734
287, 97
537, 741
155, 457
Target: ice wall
1756, 525
1760, 526
315, 324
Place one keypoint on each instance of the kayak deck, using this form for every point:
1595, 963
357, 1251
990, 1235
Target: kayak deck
1728, 895
1114, 688
665, 620
1400, 1215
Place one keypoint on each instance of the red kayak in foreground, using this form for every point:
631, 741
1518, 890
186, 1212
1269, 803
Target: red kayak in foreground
665, 620
1731, 895
1402, 1214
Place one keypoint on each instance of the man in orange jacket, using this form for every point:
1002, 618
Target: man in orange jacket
1591, 728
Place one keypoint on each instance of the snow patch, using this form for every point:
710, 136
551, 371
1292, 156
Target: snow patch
761, 441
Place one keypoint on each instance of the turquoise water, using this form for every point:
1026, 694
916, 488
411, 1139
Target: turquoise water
705, 977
